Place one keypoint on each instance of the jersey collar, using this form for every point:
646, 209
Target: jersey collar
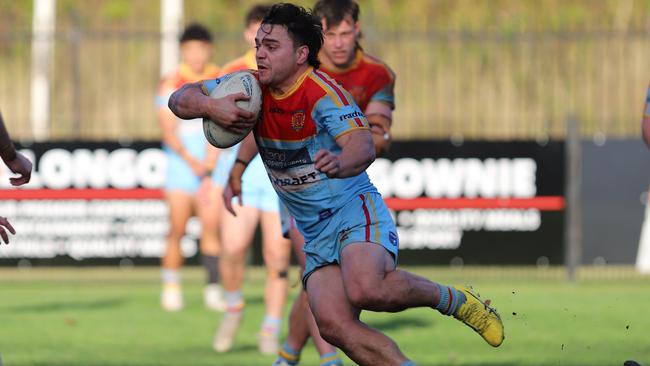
340, 70
293, 87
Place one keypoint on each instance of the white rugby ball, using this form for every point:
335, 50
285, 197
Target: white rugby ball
236, 82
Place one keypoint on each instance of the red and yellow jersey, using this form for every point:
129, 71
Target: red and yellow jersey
367, 79
308, 117
246, 62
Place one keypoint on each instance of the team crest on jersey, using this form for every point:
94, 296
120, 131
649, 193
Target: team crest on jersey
298, 120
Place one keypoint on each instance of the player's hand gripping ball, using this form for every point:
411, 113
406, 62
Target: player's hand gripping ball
236, 82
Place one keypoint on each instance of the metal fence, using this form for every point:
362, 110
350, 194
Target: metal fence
449, 85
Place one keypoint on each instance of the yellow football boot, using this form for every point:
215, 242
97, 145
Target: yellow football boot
479, 316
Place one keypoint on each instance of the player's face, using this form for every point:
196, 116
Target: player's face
277, 57
340, 42
196, 54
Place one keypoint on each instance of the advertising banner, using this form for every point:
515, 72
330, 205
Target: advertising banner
478, 203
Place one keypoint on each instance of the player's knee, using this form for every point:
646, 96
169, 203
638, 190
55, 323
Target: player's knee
332, 331
363, 295
281, 274
233, 249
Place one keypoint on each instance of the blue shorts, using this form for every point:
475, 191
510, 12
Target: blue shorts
179, 176
257, 190
364, 219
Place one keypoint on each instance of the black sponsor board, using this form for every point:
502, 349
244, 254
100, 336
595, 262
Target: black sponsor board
476, 203
90, 203
496, 202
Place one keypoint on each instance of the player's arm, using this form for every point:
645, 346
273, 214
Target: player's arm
380, 118
15, 161
246, 153
193, 101
357, 153
645, 127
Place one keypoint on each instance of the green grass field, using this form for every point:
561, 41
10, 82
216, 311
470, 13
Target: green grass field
106, 316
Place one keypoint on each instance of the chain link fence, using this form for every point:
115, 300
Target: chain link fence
449, 85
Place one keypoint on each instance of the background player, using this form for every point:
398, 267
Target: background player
188, 184
371, 83
18, 164
260, 204
351, 240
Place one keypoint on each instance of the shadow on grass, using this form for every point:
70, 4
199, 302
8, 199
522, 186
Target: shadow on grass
400, 322
70, 305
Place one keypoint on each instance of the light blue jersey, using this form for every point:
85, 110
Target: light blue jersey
330, 213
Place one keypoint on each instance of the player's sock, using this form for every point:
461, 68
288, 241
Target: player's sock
211, 265
408, 363
288, 355
234, 301
271, 325
450, 300
170, 276
171, 297
331, 359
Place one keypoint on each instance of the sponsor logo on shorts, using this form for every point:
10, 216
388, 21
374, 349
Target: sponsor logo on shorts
325, 214
355, 114
392, 236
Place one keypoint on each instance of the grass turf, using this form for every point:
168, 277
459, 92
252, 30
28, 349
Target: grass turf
106, 316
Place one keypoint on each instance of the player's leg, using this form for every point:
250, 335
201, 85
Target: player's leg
372, 283
339, 324
301, 320
209, 207
236, 235
276, 251
180, 210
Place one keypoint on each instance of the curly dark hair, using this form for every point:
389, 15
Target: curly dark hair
303, 27
196, 32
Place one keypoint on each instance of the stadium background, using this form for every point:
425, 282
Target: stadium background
472, 76
467, 71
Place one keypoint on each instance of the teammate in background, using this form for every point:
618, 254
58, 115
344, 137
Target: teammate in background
351, 240
371, 84
260, 204
645, 126
188, 185
18, 164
